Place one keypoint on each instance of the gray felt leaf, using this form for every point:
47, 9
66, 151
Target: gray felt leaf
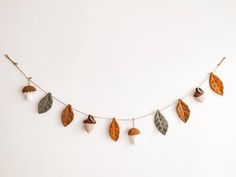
161, 122
45, 103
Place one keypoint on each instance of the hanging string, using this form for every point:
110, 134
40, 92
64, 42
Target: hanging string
133, 122
29, 79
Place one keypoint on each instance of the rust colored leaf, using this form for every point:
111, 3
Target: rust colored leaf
183, 111
216, 84
114, 130
67, 115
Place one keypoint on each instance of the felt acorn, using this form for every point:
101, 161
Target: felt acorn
199, 95
28, 92
89, 123
133, 134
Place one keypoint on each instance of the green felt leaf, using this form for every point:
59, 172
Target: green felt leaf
161, 122
45, 103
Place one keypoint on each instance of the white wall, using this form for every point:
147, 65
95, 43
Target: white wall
115, 58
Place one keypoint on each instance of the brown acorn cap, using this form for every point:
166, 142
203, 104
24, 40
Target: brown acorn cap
198, 92
133, 131
28, 88
90, 120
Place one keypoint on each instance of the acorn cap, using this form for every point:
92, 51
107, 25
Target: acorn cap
198, 92
90, 120
133, 131
28, 88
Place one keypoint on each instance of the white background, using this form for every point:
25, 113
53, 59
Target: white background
117, 58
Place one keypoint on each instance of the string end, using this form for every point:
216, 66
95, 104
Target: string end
7, 56
221, 61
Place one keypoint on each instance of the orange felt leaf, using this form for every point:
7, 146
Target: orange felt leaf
114, 130
216, 84
67, 115
183, 111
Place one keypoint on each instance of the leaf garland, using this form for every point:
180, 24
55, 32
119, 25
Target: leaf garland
161, 122
114, 130
216, 84
67, 115
183, 111
45, 103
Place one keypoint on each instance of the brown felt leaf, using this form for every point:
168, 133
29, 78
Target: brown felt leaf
183, 111
67, 115
216, 84
114, 130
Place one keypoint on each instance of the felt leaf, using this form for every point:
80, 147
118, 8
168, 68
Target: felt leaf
183, 111
216, 84
45, 103
67, 115
114, 130
161, 122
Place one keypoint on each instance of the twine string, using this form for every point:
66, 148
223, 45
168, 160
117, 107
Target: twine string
29, 79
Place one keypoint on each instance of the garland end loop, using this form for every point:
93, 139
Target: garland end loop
7, 56
221, 61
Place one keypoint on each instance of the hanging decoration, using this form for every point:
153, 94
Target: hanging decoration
160, 121
216, 84
114, 130
28, 92
199, 95
67, 115
45, 103
89, 123
133, 133
183, 111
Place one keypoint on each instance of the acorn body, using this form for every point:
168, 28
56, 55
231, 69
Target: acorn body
89, 123
28, 92
134, 135
199, 95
